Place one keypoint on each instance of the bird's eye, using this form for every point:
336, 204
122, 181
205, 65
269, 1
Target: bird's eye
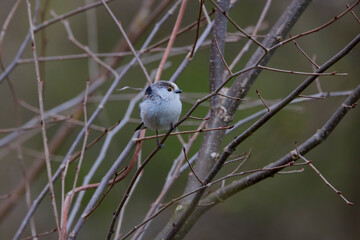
169, 89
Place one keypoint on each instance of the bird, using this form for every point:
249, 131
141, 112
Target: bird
161, 107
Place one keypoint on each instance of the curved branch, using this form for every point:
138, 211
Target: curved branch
185, 211
311, 143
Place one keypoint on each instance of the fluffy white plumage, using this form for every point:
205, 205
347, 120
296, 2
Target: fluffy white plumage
161, 105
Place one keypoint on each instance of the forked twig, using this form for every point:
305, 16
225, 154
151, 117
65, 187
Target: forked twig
322, 177
352, 12
262, 100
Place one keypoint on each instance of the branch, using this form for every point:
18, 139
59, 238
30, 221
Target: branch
187, 210
311, 143
171, 40
185, 132
119, 25
104, 182
90, 121
40, 84
323, 178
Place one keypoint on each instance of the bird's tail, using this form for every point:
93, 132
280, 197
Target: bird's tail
139, 127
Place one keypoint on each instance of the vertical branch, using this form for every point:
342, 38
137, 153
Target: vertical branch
183, 216
92, 35
137, 155
5, 27
212, 140
171, 41
208, 153
197, 28
42, 119
20, 155
65, 211
43, 38
218, 117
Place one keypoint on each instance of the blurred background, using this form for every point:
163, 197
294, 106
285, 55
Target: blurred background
287, 206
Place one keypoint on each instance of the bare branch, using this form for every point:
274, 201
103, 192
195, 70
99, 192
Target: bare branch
263, 101
118, 23
323, 178
42, 120
197, 29
192, 170
185, 132
171, 40
228, 150
288, 160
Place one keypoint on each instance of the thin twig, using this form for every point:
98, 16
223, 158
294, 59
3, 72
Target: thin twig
117, 233
227, 96
317, 80
197, 118
192, 170
255, 31
166, 205
185, 214
42, 119
352, 12
239, 28
78, 167
109, 174
68, 14
6, 25
221, 55
6, 196
291, 172
102, 197
323, 178
297, 100
180, 31
185, 132
262, 100
242, 162
173, 174
334, 19
92, 34
20, 156
197, 29
40, 234
119, 25
72, 38
171, 40
312, 97
334, 73
304, 53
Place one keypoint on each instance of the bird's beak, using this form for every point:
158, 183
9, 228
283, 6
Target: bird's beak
178, 91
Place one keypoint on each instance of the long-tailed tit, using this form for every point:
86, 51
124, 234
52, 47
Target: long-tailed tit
161, 106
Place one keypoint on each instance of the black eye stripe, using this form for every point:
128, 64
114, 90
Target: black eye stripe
148, 91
